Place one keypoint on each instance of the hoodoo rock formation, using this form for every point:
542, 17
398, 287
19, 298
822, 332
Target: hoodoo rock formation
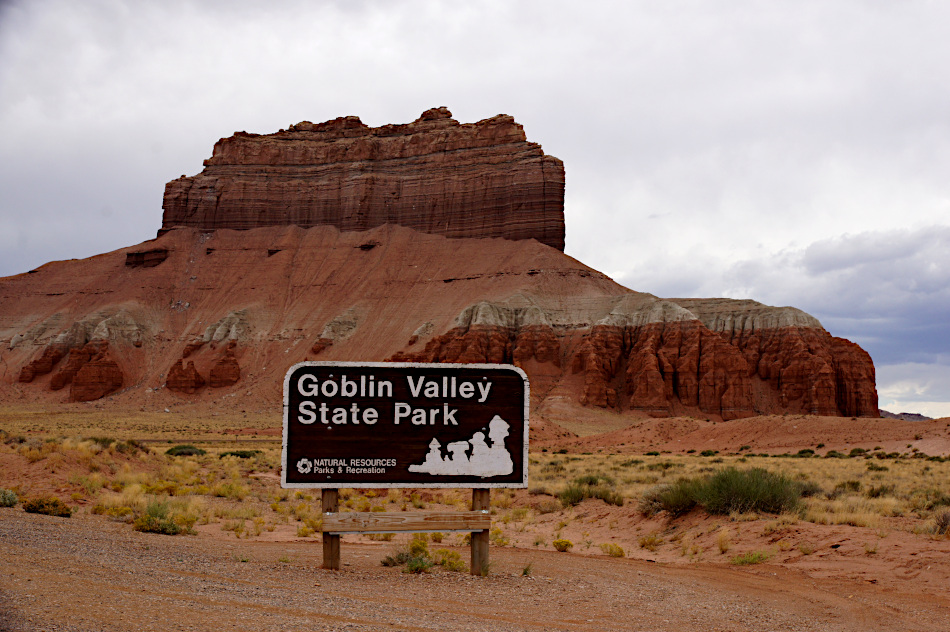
409, 243
434, 175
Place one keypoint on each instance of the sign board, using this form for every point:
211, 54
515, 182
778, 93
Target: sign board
397, 424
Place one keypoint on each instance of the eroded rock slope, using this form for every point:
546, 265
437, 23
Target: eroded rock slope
224, 314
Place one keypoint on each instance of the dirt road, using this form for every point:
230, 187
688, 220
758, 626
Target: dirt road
86, 573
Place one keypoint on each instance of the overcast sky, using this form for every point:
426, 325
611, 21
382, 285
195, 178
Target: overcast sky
796, 153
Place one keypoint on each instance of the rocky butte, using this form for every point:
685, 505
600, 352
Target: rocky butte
432, 241
433, 175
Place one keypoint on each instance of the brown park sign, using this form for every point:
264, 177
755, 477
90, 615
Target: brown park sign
396, 424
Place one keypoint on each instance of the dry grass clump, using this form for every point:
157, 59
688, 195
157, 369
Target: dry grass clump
941, 522
752, 557
650, 541
724, 540
590, 486
611, 549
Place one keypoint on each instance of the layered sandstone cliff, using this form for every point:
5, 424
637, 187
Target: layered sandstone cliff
434, 175
635, 352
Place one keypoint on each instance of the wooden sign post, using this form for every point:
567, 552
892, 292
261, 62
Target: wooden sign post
372, 425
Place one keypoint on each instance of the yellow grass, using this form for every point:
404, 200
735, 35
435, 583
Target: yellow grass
236, 494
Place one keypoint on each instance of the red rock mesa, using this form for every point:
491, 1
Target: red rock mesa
433, 241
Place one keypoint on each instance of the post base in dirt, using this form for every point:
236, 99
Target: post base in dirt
331, 542
481, 500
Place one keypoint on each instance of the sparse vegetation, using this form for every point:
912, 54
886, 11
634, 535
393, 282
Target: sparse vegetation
942, 522
47, 505
752, 557
724, 540
241, 454
156, 519
611, 549
185, 450
590, 486
450, 560
236, 490
8, 498
651, 541
725, 492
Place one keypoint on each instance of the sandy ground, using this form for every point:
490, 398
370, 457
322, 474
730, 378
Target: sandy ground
86, 573
90, 573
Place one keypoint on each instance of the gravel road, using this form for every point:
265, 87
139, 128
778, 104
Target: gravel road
91, 574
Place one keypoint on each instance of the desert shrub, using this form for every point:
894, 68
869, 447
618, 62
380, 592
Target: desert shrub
804, 454
879, 490
677, 498
572, 495
607, 494
397, 558
594, 479
381, 537
709, 453
562, 545
752, 557
415, 556
727, 491
156, 519
116, 512
611, 549
942, 522
724, 540
849, 486
168, 488
130, 446
8, 498
449, 560
874, 467
590, 486
184, 450
546, 506
230, 489
744, 491
47, 505
421, 564
497, 537
241, 454
651, 541
419, 545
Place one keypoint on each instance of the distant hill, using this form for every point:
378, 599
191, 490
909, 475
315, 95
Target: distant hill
903, 416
